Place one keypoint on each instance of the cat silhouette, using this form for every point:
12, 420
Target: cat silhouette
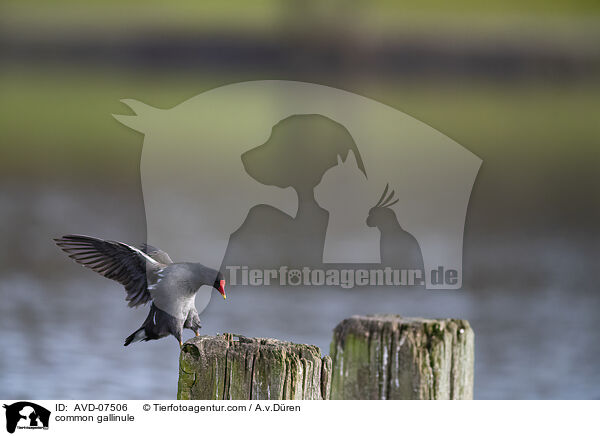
348, 195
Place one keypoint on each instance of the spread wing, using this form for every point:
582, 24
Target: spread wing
157, 254
114, 260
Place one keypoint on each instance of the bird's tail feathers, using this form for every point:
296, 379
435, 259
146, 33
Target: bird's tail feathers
138, 335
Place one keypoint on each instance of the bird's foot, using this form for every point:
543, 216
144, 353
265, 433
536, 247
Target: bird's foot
180, 344
197, 333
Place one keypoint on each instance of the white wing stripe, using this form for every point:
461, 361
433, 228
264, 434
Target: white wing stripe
144, 255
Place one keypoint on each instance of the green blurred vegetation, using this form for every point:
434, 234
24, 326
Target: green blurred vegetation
538, 135
63, 118
213, 9
556, 18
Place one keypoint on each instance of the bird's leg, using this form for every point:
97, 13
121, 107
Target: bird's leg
178, 337
196, 326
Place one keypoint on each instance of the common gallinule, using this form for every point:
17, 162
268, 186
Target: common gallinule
148, 274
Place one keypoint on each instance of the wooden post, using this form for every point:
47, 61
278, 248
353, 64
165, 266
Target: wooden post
233, 367
390, 357
372, 357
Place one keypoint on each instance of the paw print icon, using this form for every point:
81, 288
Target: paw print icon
294, 277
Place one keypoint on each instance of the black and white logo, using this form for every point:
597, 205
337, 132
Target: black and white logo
26, 415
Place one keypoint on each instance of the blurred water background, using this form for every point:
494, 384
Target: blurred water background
517, 83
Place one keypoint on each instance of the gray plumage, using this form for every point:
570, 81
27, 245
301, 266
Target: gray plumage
148, 274
156, 254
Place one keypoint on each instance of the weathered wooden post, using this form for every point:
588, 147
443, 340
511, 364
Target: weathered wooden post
390, 357
233, 367
372, 357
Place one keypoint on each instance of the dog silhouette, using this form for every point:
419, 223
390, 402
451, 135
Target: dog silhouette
299, 151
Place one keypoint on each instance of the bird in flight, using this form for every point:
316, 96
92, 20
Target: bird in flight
148, 274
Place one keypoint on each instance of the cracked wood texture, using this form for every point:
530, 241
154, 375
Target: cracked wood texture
395, 358
230, 367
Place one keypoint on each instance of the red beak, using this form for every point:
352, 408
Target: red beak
222, 288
